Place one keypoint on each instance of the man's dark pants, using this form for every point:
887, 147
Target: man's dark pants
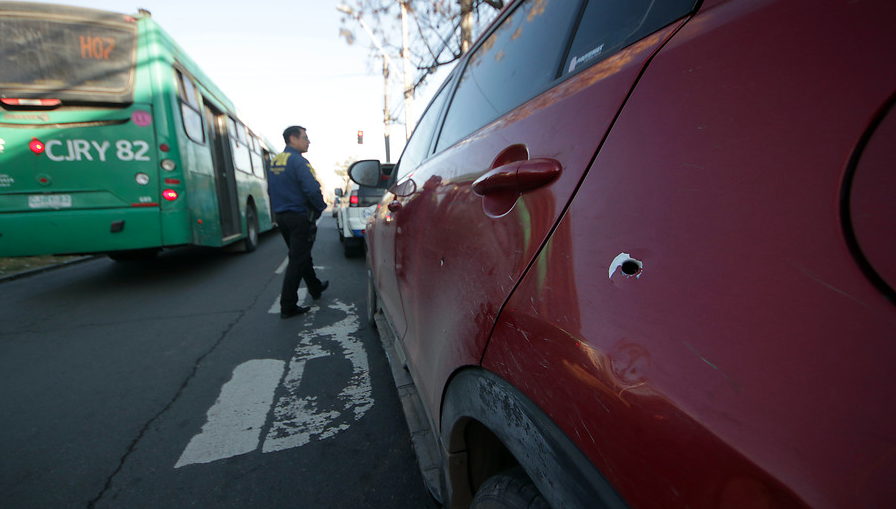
298, 231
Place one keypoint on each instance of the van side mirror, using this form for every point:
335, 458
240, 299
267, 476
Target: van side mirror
366, 173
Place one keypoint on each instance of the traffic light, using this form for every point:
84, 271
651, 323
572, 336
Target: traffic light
360, 137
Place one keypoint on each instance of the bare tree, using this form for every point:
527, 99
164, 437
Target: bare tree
341, 169
441, 30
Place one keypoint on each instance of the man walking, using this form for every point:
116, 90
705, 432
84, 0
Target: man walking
297, 203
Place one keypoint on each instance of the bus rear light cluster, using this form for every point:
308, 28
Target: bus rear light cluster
168, 165
30, 102
169, 194
37, 146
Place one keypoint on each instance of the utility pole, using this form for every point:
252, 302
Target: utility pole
387, 61
408, 87
466, 25
386, 115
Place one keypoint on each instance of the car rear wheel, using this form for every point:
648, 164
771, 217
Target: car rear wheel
352, 246
510, 489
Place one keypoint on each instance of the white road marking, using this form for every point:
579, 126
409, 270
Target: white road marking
275, 307
282, 266
235, 420
285, 262
297, 419
303, 292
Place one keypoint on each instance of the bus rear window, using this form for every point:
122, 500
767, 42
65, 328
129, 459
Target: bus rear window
46, 55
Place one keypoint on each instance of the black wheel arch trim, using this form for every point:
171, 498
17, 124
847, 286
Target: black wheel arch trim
562, 473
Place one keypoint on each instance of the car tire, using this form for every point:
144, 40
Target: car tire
564, 476
352, 247
510, 489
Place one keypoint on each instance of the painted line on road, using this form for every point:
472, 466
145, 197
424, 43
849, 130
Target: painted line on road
282, 266
234, 422
297, 419
285, 262
303, 292
275, 307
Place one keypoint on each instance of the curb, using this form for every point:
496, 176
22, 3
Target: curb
46, 268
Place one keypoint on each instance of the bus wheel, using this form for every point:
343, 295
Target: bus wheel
250, 243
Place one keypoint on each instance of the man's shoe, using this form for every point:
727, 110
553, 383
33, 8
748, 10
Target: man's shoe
323, 286
298, 310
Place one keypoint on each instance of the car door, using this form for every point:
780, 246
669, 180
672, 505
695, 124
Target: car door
384, 234
526, 118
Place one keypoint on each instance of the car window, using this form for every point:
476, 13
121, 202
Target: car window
610, 25
418, 146
516, 62
370, 195
371, 192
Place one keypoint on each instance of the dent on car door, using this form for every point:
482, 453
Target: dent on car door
523, 125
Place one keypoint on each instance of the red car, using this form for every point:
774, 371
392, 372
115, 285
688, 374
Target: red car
643, 254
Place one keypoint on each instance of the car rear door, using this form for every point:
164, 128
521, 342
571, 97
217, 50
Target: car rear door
527, 116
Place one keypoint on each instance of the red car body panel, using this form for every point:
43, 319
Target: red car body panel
748, 361
693, 276
870, 204
440, 270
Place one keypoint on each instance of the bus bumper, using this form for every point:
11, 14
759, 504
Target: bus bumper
78, 231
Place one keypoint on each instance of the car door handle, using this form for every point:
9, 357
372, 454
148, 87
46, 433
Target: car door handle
518, 177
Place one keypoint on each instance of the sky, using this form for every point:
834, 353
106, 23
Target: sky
284, 63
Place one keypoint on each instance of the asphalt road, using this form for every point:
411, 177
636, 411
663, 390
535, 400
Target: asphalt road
174, 383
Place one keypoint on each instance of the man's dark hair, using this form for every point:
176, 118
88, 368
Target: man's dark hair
293, 130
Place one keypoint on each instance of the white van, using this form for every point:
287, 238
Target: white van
356, 205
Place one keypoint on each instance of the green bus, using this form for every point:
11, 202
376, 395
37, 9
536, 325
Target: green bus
112, 140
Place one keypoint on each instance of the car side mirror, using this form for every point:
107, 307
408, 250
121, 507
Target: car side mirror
366, 173
338, 193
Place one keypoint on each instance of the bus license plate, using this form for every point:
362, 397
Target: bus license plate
50, 201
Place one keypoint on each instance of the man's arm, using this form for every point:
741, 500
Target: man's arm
311, 189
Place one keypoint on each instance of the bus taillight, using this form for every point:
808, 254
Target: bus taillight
169, 194
30, 102
37, 146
